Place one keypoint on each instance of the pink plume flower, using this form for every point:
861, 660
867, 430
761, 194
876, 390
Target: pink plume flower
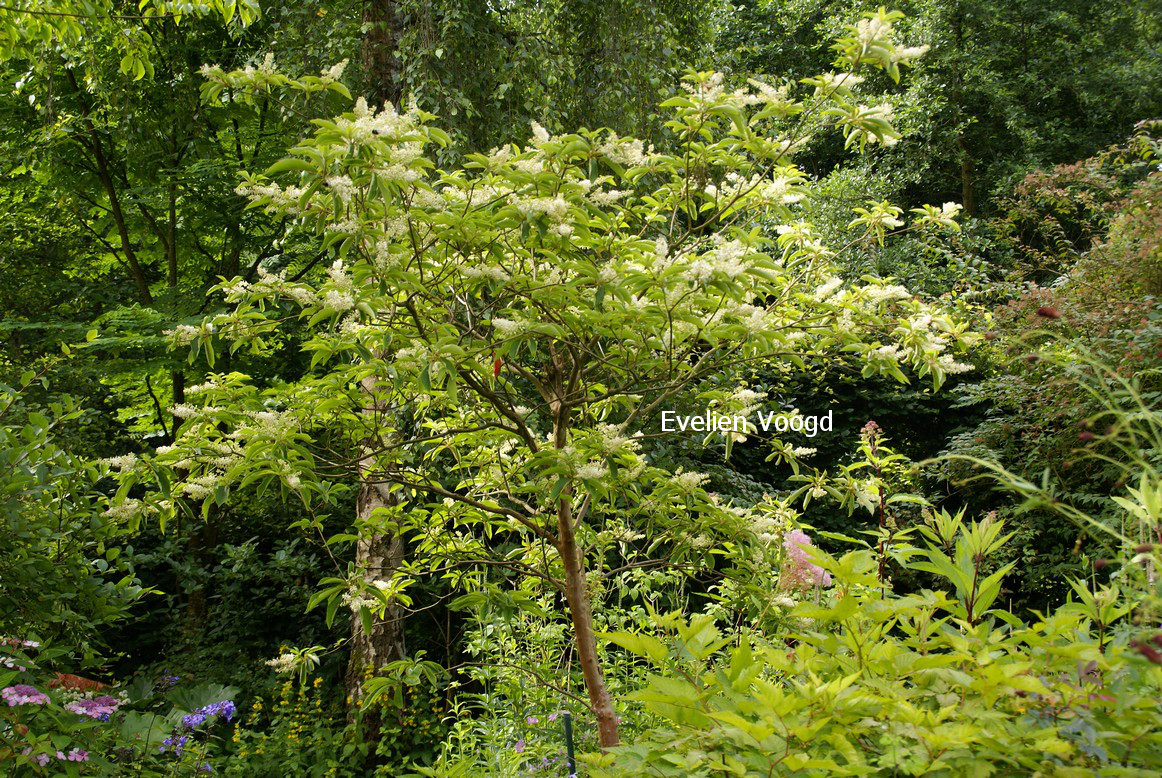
799, 570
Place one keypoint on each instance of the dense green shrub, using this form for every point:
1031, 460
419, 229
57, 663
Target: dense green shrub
60, 568
929, 683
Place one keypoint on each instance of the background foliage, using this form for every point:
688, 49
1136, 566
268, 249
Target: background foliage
126, 131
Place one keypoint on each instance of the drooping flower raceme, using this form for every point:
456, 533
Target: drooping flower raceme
799, 571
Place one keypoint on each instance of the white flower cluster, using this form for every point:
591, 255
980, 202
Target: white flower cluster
709, 90
755, 319
625, 535
285, 200
507, 328
354, 599
782, 189
123, 463
742, 402
952, 367
485, 273
612, 440
951, 210
197, 389
338, 295
184, 411
908, 53
273, 284
603, 198
828, 288
870, 30
835, 83
270, 425
124, 510
282, 664
799, 239
335, 72
762, 93
729, 259
342, 186
369, 126
688, 482
592, 471
555, 208
629, 152
185, 334
878, 294
884, 112
889, 352
199, 487
540, 134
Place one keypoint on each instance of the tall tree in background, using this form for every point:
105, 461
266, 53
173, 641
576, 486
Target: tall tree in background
137, 160
379, 52
378, 638
1005, 85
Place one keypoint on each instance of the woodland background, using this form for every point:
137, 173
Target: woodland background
119, 215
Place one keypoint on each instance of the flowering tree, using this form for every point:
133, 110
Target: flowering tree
493, 346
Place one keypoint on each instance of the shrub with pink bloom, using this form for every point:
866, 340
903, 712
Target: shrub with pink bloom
799, 571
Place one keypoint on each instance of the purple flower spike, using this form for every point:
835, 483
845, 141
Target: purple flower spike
225, 709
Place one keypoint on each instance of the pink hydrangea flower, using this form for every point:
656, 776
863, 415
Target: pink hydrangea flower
97, 708
40, 759
23, 694
799, 570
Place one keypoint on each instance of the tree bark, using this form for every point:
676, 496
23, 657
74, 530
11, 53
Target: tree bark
377, 555
576, 587
967, 184
581, 612
382, 70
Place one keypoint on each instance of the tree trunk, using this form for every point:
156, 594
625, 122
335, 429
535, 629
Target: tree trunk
967, 185
581, 612
576, 587
378, 555
101, 166
382, 72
